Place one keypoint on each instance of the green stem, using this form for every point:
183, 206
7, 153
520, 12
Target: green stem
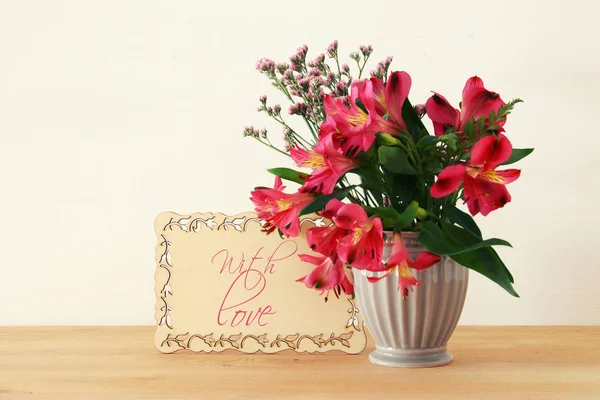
283, 89
344, 183
268, 144
312, 132
363, 66
303, 142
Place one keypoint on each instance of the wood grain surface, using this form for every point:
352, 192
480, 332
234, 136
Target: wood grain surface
121, 363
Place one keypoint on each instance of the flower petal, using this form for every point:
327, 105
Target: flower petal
398, 257
484, 196
326, 275
448, 181
322, 181
339, 163
349, 215
406, 279
325, 239
478, 102
345, 283
388, 272
307, 159
491, 151
482, 150
311, 259
442, 114
378, 93
396, 92
500, 177
278, 184
502, 151
472, 82
331, 208
424, 260
471, 194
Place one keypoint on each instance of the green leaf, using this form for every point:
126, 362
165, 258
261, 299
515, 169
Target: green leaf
487, 263
388, 215
416, 133
506, 109
492, 117
450, 139
372, 181
433, 166
480, 124
452, 239
476, 254
395, 160
469, 128
501, 271
411, 119
495, 254
404, 188
427, 141
321, 201
289, 174
463, 219
517, 154
407, 217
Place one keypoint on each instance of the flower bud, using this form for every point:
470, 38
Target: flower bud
420, 109
421, 213
387, 140
332, 49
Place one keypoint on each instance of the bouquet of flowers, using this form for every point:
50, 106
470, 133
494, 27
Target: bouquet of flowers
365, 143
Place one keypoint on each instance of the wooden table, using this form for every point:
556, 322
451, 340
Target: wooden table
121, 363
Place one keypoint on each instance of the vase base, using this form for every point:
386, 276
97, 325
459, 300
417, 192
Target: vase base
413, 358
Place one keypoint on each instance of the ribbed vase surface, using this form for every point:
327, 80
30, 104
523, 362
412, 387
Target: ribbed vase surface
412, 332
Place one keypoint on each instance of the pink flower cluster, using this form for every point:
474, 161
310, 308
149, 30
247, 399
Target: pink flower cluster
408, 179
484, 187
354, 238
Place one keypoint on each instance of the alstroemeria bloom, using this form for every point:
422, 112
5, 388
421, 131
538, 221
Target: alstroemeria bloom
401, 260
484, 187
477, 102
388, 100
325, 239
279, 209
327, 274
352, 129
327, 163
362, 246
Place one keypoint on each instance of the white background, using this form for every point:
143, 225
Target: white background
113, 111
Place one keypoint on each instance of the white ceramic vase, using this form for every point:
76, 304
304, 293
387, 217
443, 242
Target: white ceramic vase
412, 332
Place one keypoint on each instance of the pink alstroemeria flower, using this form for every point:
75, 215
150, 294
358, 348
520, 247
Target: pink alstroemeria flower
325, 239
362, 245
401, 260
327, 163
279, 209
389, 99
328, 274
484, 187
352, 129
477, 102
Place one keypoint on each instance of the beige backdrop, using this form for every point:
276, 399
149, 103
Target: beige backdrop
113, 111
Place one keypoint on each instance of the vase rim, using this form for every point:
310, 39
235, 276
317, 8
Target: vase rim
387, 235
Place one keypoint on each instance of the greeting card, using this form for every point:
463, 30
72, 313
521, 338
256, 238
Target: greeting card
221, 283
